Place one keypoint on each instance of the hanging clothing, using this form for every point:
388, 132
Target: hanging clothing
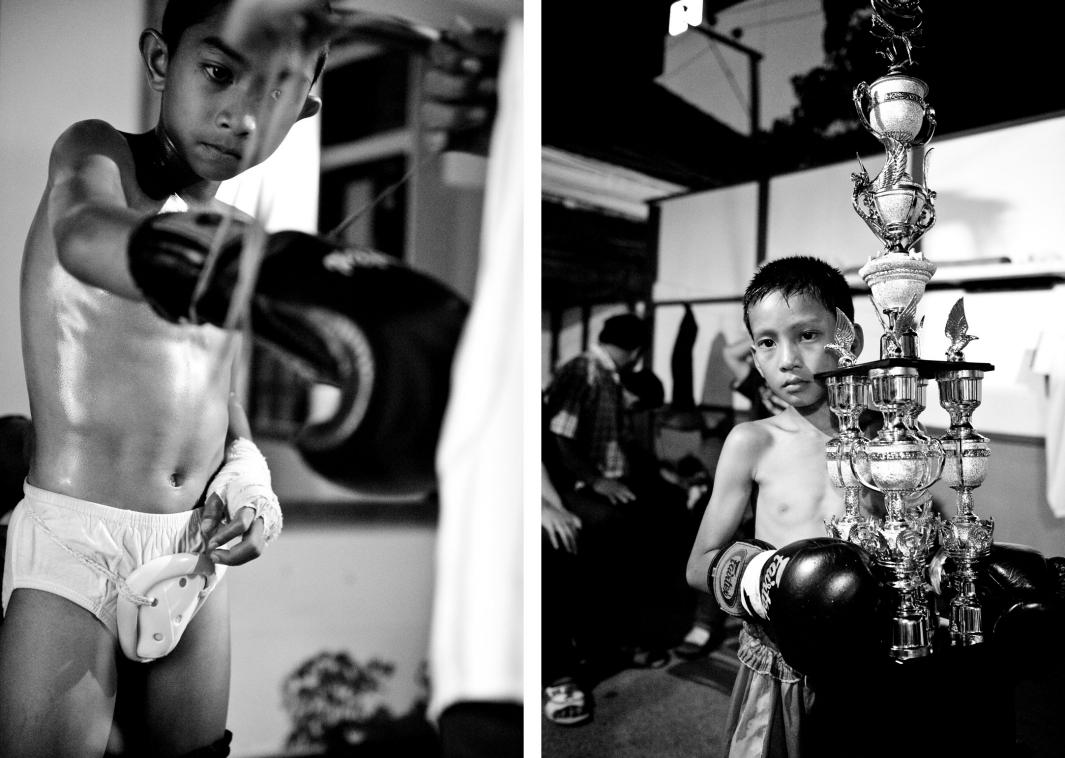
683, 391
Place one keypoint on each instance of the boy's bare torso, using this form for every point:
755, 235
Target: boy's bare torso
793, 493
128, 409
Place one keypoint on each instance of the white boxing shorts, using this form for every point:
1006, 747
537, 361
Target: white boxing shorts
53, 541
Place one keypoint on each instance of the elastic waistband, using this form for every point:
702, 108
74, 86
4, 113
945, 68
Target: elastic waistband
158, 521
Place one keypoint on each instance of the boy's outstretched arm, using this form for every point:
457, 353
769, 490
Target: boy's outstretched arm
88, 208
733, 484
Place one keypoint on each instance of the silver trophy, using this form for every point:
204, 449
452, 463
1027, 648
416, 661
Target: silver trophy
847, 399
967, 537
898, 209
903, 463
903, 460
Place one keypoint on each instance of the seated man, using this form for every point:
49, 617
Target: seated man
625, 506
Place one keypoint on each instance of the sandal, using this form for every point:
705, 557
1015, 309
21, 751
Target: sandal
566, 704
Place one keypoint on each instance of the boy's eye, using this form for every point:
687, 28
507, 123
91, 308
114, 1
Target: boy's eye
217, 74
763, 344
807, 336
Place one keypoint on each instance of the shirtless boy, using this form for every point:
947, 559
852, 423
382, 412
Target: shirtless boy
777, 463
133, 414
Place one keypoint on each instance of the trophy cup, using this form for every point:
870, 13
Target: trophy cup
902, 461
901, 465
897, 209
967, 537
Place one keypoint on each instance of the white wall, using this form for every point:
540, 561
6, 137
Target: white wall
59, 62
998, 195
706, 243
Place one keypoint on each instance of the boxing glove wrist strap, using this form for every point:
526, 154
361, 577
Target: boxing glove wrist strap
724, 577
750, 584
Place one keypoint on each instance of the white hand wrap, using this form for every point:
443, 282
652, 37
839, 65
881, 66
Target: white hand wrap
244, 482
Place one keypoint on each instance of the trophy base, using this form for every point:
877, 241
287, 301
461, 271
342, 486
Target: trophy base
909, 637
966, 625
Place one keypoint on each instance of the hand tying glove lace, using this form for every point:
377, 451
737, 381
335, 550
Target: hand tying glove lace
244, 482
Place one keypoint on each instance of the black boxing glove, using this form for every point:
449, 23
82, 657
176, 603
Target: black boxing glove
167, 254
384, 334
1011, 574
1008, 575
380, 331
819, 598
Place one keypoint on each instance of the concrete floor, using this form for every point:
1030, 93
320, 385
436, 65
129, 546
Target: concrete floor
677, 711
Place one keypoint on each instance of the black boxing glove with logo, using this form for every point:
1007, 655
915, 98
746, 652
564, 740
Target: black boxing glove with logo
819, 599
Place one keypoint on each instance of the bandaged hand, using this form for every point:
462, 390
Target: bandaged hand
240, 503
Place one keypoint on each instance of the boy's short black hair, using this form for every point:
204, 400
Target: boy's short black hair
799, 275
181, 14
627, 331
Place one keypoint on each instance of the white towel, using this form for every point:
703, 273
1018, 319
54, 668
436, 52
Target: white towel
476, 651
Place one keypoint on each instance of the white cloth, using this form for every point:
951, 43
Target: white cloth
1049, 360
81, 550
174, 204
475, 647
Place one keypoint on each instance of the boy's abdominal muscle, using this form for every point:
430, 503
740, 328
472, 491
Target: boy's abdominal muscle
135, 420
149, 466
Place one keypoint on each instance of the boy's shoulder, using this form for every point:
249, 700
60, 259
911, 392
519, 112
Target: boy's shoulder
758, 435
88, 134
751, 436
85, 138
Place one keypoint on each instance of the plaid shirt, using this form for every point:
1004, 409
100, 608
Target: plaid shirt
584, 403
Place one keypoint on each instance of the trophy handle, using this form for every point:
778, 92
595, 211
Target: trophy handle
860, 96
866, 209
839, 458
939, 471
928, 128
860, 443
914, 425
922, 225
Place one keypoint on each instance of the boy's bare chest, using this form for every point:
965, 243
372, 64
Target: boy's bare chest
792, 480
100, 335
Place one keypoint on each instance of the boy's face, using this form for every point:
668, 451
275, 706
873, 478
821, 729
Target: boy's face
789, 346
226, 108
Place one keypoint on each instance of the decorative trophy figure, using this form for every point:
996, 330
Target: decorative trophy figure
966, 538
847, 400
902, 461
